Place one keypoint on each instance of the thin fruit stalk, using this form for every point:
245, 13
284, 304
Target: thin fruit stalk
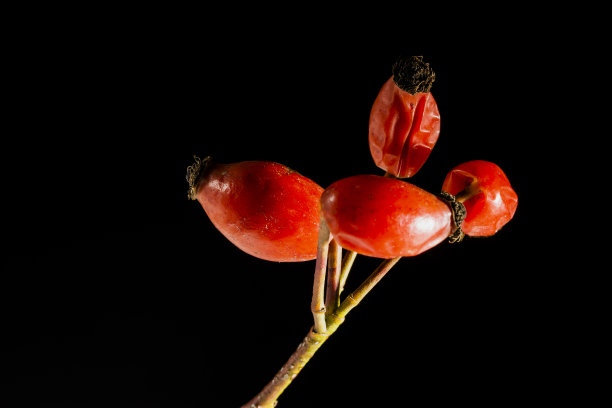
318, 290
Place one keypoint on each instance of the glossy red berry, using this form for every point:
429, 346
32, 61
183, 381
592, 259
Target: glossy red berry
404, 120
384, 217
484, 189
264, 208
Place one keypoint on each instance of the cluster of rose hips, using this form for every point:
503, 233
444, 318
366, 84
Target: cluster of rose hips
274, 213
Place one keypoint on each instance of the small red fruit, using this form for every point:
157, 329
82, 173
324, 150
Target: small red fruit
484, 189
264, 208
384, 217
404, 121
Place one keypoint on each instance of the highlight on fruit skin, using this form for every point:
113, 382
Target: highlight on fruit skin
404, 121
384, 217
485, 190
264, 208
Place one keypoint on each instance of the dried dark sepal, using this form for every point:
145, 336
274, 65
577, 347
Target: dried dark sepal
459, 213
194, 174
411, 74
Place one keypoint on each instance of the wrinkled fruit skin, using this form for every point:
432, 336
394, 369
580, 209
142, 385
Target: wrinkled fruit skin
403, 129
264, 208
492, 201
384, 217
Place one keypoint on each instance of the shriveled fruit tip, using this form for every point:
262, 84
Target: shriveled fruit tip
194, 173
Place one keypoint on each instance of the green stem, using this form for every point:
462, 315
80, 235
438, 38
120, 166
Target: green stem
268, 397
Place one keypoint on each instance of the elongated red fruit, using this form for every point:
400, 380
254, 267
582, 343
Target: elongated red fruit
484, 189
264, 208
404, 120
384, 217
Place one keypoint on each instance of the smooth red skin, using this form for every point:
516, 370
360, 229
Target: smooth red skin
264, 208
403, 129
384, 217
493, 202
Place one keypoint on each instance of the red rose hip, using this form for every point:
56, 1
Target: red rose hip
490, 202
384, 217
264, 208
404, 120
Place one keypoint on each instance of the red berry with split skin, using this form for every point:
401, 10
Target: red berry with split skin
404, 120
384, 217
264, 208
484, 189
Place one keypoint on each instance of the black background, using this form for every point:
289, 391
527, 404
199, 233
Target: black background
118, 291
